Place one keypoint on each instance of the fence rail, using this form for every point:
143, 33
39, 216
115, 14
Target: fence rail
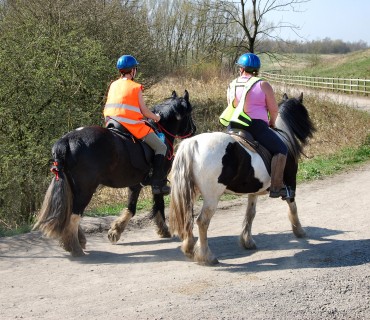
358, 86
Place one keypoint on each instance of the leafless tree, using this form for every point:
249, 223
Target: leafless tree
251, 18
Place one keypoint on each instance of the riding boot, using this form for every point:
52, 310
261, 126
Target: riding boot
159, 181
277, 188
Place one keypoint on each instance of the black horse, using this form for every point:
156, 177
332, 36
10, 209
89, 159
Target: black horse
91, 156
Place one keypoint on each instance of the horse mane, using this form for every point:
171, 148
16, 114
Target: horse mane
295, 121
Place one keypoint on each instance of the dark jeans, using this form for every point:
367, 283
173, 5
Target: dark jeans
264, 135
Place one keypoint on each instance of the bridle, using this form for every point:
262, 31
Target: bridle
175, 136
171, 153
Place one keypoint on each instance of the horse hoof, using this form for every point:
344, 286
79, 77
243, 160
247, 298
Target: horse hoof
249, 244
83, 243
299, 233
77, 253
113, 236
209, 263
207, 259
164, 234
65, 246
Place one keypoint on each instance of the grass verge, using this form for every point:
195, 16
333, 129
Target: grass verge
324, 166
13, 232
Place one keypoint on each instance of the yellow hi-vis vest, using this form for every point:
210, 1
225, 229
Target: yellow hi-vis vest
237, 114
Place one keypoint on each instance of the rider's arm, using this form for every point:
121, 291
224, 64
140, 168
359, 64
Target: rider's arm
230, 96
271, 104
145, 111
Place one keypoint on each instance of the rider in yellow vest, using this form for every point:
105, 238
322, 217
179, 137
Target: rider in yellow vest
252, 107
125, 104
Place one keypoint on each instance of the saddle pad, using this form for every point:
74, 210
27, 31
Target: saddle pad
246, 140
141, 155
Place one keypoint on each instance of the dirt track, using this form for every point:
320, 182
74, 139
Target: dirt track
353, 101
324, 276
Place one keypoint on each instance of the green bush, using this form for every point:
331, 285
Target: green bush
54, 85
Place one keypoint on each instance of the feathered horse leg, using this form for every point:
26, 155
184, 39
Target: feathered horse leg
294, 220
158, 216
120, 224
246, 239
202, 253
70, 240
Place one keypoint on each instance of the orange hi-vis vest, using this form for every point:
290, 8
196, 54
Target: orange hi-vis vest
123, 106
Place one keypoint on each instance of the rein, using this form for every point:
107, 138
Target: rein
175, 136
289, 143
171, 152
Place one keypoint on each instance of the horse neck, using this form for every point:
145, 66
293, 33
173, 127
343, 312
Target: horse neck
288, 138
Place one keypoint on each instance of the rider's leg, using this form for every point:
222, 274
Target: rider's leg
277, 188
159, 181
272, 142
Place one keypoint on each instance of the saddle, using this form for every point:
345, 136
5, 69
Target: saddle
136, 146
247, 140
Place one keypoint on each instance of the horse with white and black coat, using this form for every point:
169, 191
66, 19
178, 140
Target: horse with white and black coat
210, 164
91, 156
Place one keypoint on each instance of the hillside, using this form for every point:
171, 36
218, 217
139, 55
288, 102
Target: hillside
351, 65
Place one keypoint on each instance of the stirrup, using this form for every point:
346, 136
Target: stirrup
277, 194
290, 194
285, 193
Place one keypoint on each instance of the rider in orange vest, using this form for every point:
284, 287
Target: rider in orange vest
125, 104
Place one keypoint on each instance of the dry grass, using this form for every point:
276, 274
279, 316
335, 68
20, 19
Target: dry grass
199, 90
106, 196
337, 126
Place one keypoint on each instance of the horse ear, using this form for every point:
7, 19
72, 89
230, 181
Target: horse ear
285, 97
186, 95
300, 98
174, 94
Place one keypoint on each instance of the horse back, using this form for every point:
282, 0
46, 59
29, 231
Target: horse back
226, 162
96, 154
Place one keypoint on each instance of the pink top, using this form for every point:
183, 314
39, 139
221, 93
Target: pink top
255, 102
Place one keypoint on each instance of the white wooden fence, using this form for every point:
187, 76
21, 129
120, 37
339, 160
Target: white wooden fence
355, 86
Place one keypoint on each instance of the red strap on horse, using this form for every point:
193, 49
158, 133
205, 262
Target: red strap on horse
171, 153
54, 169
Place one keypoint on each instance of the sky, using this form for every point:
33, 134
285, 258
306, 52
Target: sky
346, 20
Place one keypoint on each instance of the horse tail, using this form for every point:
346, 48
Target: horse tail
183, 190
56, 209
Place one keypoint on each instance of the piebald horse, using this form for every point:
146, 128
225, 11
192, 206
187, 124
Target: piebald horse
210, 164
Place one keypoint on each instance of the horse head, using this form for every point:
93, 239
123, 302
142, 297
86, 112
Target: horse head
176, 116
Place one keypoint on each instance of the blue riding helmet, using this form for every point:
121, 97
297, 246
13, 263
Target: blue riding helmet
249, 60
126, 62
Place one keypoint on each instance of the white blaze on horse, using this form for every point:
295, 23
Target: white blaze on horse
211, 164
93, 156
